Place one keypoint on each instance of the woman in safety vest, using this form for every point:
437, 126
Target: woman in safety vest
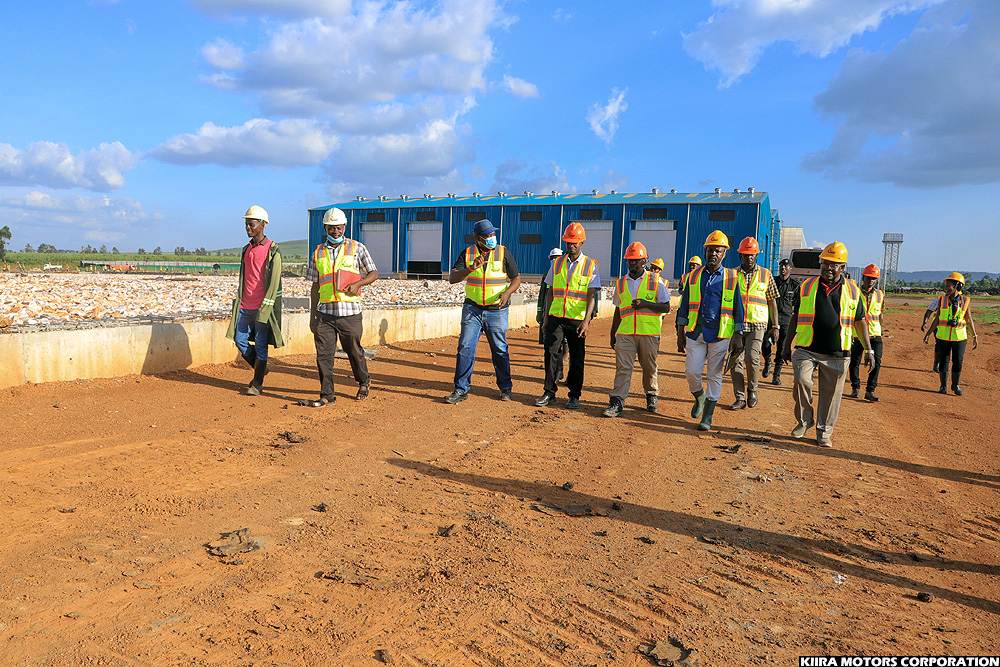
954, 315
873, 298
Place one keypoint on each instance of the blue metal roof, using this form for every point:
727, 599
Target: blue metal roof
741, 197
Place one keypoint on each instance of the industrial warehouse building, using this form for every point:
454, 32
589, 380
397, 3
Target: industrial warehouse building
411, 238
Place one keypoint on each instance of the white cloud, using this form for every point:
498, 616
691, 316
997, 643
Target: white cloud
44, 163
922, 114
223, 54
604, 119
613, 180
519, 87
282, 144
100, 219
515, 176
561, 15
732, 40
285, 8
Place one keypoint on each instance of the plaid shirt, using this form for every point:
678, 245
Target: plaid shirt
364, 262
770, 293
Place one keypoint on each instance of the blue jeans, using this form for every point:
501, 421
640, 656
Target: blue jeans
475, 321
250, 331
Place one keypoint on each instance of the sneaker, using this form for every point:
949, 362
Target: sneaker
573, 403
505, 395
800, 429
652, 401
545, 399
614, 409
824, 440
455, 397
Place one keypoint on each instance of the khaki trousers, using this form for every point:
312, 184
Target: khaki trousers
832, 373
749, 373
627, 348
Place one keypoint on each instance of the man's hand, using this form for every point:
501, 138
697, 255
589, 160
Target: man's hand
773, 333
353, 289
681, 342
736, 344
869, 358
641, 303
313, 321
503, 298
478, 261
613, 340
583, 328
786, 355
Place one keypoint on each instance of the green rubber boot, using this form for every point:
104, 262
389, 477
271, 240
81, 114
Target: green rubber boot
699, 403
706, 417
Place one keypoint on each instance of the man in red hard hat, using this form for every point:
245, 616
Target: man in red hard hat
641, 300
760, 307
873, 298
569, 305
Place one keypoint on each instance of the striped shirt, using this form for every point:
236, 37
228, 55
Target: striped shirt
364, 263
770, 293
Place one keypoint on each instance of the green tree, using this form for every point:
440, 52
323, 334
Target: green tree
4, 237
104, 249
114, 250
46, 247
142, 251
28, 248
157, 251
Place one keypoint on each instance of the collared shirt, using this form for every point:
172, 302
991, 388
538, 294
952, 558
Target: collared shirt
826, 323
770, 292
710, 311
595, 280
364, 262
254, 267
662, 295
509, 267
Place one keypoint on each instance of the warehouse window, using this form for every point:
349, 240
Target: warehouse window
591, 214
719, 215
470, 239
654, 213
531, 239
475, 216
531, 216
375, 216
426, 215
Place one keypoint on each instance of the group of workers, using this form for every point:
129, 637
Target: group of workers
729, 320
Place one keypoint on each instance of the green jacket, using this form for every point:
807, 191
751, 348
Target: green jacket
270, 309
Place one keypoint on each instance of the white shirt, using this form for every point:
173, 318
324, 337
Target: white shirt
632, 284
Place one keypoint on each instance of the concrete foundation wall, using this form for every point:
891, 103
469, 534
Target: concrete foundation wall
54, 356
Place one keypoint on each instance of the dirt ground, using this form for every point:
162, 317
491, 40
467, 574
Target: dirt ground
490, 533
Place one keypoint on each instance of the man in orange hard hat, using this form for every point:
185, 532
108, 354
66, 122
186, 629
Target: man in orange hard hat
952, 318
760, 296
574, 282
873, 298
710, 314
827, 308
641, 300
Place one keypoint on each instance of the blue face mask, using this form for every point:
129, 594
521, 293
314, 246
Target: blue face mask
491, 242
333, 241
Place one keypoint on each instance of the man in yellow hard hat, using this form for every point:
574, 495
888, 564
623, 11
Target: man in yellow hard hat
953, 317
710, 314
693, 264
873, 299
256, 316
760, 296
827, 308
641, 300
570, 303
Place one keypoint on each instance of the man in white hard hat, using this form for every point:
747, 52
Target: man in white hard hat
338, 269
256, 316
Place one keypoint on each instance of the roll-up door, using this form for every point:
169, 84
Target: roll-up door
424, 249
660, 238
598, 246
377, 237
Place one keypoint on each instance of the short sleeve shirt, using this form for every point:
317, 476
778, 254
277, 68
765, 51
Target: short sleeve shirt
509, 267
363, 261
595, 280
662, 295
826, 324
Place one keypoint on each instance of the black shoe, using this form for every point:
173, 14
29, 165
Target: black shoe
870, 396
776, 380
956, 377
855, 392
936, 367
545, 399
751, 399
455, 397
958, 390
652, 401
505, 395
259, 371
767, 368
614, 409
738, 405
573, 403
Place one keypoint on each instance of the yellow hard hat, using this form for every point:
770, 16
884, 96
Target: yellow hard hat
658, 263
717, 238
835, 252
695, 260
957, 277
257, 213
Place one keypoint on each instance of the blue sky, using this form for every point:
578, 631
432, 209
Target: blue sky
143, 124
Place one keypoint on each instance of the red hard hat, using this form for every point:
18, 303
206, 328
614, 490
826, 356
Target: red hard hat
871, 271
636, 250
748, 246
575, 233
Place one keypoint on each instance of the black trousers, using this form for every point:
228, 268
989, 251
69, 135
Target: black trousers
559, 330
953, 348
348, 329
857, 355
765, 349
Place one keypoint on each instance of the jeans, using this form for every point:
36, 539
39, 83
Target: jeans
857, 355
251, 335
475, 321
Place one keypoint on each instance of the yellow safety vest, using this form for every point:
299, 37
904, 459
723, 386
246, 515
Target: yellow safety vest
946, 313
874, 312
727, 324
569, 292
849, 296
485, 284
638, 322
755, 294
327, 270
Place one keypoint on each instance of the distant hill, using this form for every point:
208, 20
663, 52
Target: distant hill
970, 276
288, 249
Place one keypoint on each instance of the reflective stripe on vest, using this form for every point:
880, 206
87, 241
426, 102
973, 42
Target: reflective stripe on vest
755, 295
727, 325
569, 293
638, 322
946, 313
850, 294
485, 284
327, 270
873, 313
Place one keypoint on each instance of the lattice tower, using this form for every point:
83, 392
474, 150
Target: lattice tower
890, 259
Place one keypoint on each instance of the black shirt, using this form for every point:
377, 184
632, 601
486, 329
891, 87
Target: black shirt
826, 324
787, 289
509, 267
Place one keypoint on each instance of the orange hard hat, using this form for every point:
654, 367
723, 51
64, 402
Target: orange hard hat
575, 233
748, 246
717, 238
636, 250
871, 271
836, 252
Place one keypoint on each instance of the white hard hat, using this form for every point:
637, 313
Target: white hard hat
256, 212
334, 216
555, 252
